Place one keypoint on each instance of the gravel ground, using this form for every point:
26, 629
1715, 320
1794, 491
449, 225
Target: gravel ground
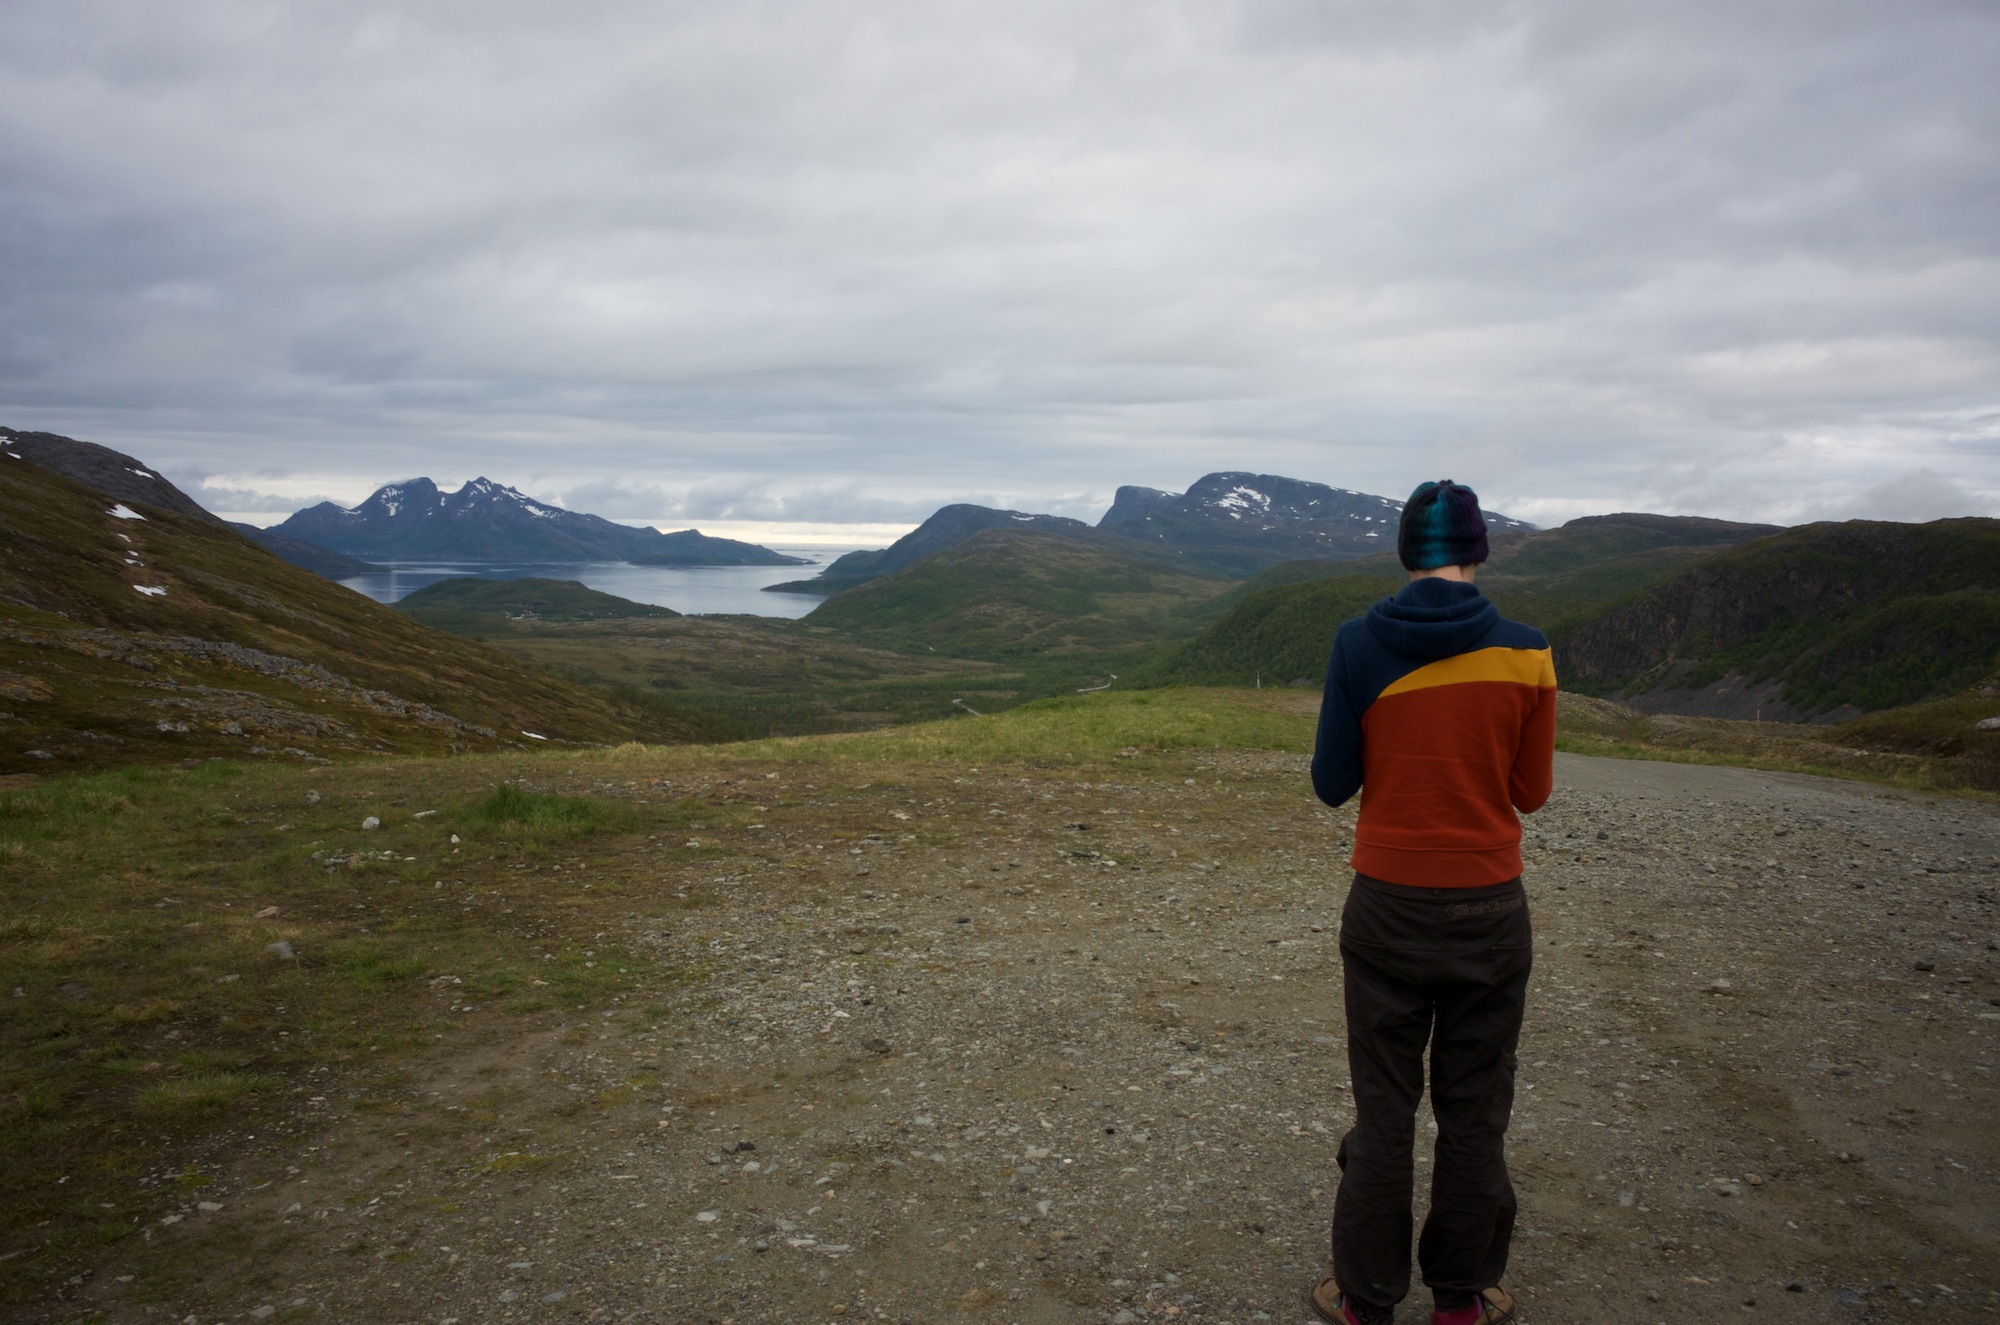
1064, 1073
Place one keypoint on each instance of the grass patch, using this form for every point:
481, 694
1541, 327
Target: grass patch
374, 967
741, 678
510, 809
204, 1092
1095, 728
140, 907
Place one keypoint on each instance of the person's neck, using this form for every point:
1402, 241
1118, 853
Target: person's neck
1462, 574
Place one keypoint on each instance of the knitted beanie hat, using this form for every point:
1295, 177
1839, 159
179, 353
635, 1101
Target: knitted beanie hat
1441, 526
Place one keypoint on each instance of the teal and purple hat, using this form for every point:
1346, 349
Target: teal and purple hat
1441, 526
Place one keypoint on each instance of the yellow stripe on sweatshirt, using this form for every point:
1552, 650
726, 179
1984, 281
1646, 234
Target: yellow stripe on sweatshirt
1528, 667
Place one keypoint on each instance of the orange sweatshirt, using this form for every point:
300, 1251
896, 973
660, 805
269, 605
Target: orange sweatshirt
1443, 714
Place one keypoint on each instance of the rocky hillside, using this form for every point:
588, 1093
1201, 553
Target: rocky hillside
133, 632
1556, 576
1825, 621
118, 476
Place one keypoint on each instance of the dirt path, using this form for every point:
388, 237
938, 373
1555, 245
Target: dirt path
1096, 1074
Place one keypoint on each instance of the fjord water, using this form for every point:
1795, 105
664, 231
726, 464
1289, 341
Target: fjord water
712, 589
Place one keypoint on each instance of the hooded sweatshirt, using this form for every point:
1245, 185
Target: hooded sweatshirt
1443, 714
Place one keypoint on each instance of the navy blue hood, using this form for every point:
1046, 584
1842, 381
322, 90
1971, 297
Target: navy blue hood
1432, 618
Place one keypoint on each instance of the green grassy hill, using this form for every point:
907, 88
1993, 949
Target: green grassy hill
1010, 594
1278, 627
1854, 617
464, 606
1553, 578
1279, 635
170, 636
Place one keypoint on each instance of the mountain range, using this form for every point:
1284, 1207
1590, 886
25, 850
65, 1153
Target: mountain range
135, 626
1251, 521
1229, 525
488, 521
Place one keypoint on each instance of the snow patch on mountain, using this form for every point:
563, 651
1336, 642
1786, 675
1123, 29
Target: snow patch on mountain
1243, 521
488, 521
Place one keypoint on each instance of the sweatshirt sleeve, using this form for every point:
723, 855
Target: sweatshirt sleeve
1336, 764
1534, 773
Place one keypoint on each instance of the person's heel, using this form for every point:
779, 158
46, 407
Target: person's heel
1495, 1306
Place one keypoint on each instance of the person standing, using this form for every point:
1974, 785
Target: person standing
1442, 714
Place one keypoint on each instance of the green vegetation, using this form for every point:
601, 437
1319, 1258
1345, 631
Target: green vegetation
1865, 614
1891, 653
1556, 601
1279, 635
1087, 729
447, 603
539, 816
1016, 594
739, 678
141, 908
1595, 540
203, 1092
1860, 615
998, 620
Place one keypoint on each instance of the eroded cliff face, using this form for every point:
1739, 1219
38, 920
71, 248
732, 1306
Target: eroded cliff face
1825, 620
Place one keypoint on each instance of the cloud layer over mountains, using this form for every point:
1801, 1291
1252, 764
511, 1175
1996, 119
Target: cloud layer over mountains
845, 260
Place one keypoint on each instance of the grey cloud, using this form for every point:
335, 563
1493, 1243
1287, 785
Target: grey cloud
735, 497
845, 261
222, 495
1920, 494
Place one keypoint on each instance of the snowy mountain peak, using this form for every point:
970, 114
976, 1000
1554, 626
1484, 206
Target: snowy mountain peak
489, 521
1275, 516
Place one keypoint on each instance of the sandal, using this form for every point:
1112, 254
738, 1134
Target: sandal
1323, 1300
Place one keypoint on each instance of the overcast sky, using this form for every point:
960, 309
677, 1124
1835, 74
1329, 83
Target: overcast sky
842, 262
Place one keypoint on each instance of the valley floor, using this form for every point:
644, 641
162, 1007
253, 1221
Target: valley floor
1035, 1041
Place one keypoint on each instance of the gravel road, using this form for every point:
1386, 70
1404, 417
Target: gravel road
1081, 1059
